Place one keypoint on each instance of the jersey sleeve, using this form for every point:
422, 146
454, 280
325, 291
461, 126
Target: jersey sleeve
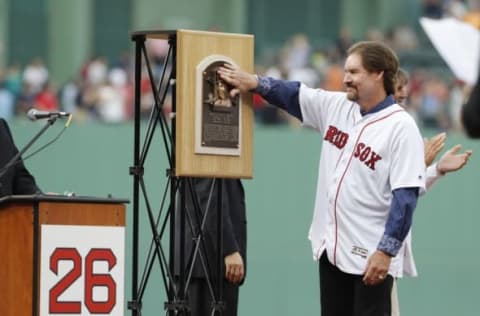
407, 168
432, 176
318, 105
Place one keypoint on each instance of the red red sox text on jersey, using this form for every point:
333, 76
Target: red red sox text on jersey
362, 152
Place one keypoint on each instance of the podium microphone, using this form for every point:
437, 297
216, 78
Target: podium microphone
34, 114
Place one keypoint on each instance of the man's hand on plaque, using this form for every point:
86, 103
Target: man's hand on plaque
240, 80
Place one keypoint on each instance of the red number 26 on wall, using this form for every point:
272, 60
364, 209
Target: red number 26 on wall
91, 280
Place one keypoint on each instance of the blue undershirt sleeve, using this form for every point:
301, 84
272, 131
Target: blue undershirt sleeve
281, 93
399, 220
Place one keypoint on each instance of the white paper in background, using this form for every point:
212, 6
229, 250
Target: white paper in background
458, 43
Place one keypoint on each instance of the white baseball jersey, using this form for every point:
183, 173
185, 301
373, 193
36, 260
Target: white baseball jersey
363, 159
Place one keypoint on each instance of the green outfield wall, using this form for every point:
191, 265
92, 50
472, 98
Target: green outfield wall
282, 280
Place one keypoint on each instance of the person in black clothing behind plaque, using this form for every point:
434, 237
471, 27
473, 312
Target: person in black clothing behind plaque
234, 250
471, 113
16, 179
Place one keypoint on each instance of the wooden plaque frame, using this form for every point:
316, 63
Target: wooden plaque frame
193, 48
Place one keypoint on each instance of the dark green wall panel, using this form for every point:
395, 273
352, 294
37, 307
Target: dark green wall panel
27, 30
112, 20
273, 22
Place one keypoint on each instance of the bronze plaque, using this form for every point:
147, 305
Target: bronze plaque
220, 112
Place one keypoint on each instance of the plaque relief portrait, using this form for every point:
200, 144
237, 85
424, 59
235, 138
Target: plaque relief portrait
219, 92
218, 114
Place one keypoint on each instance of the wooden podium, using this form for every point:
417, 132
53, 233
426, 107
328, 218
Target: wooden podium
22, 220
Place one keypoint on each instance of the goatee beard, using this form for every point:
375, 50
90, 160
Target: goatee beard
352, 96
352, 93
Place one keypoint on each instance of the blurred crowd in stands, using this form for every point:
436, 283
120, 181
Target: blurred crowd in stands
103, 90
98, 92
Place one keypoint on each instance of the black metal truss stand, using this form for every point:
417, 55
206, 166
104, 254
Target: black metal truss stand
176, 270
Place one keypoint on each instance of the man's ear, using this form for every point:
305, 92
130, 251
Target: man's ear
380, 75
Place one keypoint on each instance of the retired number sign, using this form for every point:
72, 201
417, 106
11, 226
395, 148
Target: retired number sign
82, 270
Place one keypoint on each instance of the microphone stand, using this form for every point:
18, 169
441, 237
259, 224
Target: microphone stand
14, 159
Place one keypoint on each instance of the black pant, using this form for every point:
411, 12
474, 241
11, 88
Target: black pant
343, 294
200, 298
